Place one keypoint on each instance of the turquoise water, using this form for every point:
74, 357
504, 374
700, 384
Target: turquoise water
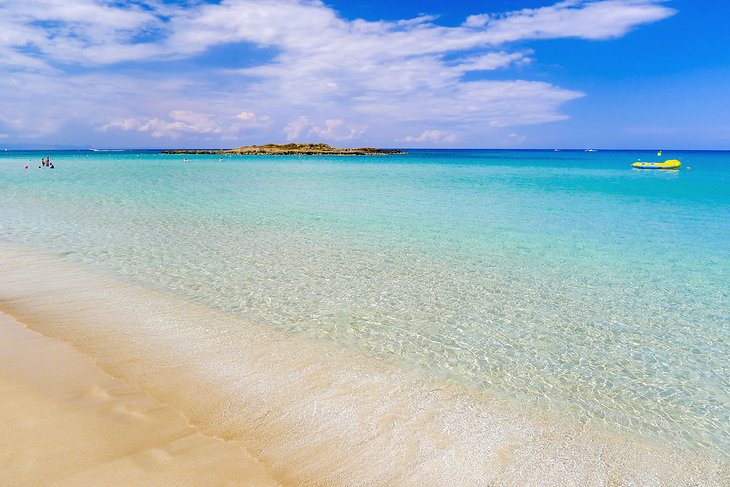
567, 281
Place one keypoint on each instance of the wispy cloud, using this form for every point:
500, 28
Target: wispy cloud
433, 136
295, 128
181, 122
337, 130
331, 129
351, 77
178, 123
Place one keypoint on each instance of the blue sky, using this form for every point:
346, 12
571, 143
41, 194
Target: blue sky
499, 73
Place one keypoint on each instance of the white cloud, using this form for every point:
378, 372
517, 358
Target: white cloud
421, 19
586, 19
178, 123
331, 129
92, 32
338, 130
249, 120
295, 128
324, 68
493, 60
478, 20
126, 124
247, 116
433, 136
78, 31
181, 121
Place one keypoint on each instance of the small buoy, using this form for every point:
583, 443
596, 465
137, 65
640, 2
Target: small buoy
689, 167
26, 166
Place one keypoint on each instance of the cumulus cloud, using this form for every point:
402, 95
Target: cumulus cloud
347, 75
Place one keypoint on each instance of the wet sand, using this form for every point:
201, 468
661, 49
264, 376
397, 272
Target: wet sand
65, 422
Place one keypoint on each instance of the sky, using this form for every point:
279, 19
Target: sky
433, 74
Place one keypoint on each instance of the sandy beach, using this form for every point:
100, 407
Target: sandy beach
294, 411
364, 244
65, 422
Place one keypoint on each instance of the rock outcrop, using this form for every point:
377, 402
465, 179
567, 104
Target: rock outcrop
291, 150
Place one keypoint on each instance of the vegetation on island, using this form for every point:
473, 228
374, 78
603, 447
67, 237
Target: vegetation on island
290, 150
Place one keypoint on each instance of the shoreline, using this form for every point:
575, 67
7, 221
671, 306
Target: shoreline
63, 420
313, 413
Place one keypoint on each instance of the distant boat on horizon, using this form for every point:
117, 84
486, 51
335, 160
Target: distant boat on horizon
591, 150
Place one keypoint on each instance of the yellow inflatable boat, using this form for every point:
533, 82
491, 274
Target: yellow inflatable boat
670, 164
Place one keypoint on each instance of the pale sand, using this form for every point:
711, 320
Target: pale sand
313, 413
65, 422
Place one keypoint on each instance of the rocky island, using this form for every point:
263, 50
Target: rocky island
290, 150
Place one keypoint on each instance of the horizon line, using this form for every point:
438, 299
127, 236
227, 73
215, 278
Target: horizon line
553, 149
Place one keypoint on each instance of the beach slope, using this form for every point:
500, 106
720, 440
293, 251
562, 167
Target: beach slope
64, 421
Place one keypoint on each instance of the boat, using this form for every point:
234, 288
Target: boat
668, 164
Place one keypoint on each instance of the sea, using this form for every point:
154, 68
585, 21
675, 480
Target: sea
441, 317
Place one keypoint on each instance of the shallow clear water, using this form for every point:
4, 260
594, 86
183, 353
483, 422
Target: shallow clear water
563, 280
